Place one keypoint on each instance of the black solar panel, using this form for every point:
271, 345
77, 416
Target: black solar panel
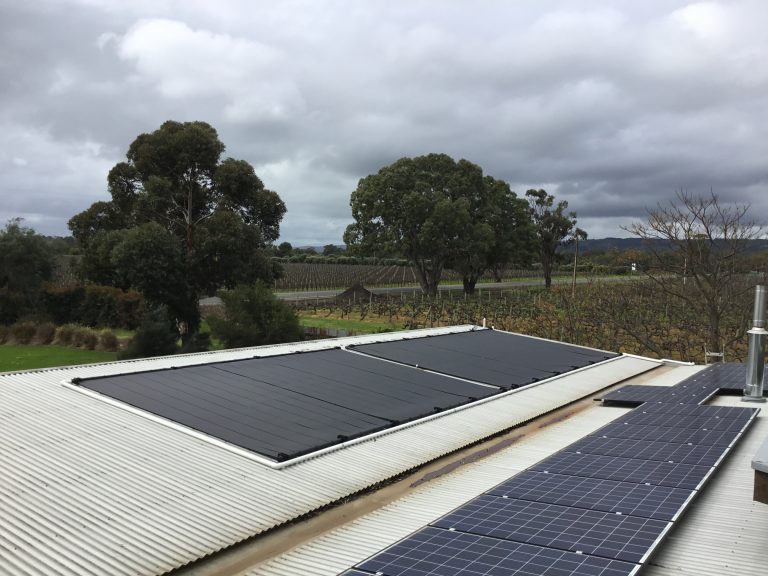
674, 435
285, 406
701, 455
579, 530
659, 502
437, 552
625, 469
490, 356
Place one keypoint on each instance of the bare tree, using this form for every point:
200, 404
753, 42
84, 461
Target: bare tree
699, 255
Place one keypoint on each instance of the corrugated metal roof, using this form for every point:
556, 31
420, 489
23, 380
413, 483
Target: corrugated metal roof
722, 533
339, 549
725, 531
89, 488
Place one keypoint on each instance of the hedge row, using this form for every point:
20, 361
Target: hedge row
92, 305
68, 335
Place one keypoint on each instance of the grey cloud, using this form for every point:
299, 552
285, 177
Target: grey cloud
611, 105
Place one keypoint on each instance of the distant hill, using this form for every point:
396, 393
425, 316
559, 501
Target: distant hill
623, 244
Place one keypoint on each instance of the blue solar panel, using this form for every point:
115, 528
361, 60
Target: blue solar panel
727, 412
674, 435
609, 497
633, 394
660, 502
701, 455
579, 530
679, 421
438, 552
729, 376
625, 469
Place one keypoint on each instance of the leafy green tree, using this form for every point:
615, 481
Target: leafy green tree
150, 260
419, 208
502, 235
437, 213
553, 226
26, 262
284, 249
216, 215
331, 249
254, 316
514, 241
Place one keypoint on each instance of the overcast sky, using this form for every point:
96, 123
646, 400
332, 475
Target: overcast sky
611, 105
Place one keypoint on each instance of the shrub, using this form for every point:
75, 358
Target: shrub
254, 316
62, 303
3, 334
108, 341
45, 333
22, 332
200, 342
89, 339
154, 337
64, 334
78, 336
92, 305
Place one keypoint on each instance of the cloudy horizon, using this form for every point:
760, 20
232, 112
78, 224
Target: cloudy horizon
613, 106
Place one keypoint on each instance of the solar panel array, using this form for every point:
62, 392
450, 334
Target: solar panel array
286, 406
497, 358
598, 507
715, 379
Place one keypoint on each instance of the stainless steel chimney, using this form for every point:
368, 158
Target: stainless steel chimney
753, 389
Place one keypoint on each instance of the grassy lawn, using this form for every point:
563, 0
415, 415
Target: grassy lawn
15, 357
358, 326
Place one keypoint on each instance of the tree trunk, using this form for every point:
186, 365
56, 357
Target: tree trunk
469, 281
428, 278
546, 265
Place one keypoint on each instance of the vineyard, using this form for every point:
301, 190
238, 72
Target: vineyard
628, 317
301, 276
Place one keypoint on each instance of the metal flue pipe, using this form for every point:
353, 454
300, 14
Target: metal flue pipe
753, 388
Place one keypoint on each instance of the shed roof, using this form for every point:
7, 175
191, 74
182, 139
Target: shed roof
91, 487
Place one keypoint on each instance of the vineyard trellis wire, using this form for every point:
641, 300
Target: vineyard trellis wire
306, 276
627, 317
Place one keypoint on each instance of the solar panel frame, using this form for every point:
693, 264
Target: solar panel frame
437, 552
648, 501
580, 530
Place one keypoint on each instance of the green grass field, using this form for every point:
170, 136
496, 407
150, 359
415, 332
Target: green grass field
14, 357
356, 326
